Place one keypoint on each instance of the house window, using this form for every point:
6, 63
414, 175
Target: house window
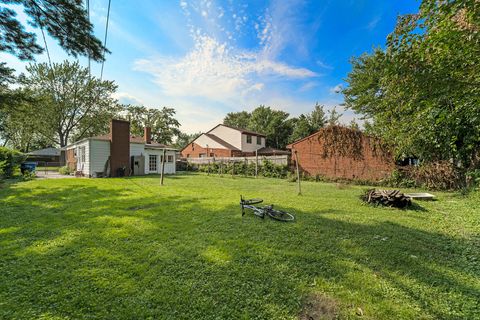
152, 162
170, 158
259, 140
249, 138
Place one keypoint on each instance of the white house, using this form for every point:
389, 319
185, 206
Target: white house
119, 153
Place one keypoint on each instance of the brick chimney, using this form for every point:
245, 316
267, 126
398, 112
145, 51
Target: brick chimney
119, 146
147, 135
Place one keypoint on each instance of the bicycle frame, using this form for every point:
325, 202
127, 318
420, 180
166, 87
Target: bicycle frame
258, 211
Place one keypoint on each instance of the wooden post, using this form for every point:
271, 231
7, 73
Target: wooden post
298, 174
256, 163
245, 165
163, 166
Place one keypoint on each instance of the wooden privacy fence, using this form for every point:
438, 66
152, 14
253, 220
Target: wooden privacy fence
279, 160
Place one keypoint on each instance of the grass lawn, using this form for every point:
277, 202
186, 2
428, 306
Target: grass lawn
130, 249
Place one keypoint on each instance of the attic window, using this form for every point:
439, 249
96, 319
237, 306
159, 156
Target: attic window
259, 140
249, 138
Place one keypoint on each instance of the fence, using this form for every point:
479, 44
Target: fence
278, 160
45, 166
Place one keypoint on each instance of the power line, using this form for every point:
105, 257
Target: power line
88, 15
105, 40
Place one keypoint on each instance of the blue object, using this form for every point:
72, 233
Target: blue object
28, 166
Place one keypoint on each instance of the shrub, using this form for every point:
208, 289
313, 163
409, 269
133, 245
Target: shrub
64, 170
265, 169
28, 175
9, 161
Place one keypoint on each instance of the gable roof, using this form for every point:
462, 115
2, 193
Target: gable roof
221, 141
133, 139
253, 133
47, 152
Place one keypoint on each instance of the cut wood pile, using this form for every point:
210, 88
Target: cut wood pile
389, 198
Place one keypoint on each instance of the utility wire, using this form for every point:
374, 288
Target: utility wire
105, 40
88, 15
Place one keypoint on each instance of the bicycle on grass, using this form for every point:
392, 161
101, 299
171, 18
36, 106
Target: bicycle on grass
265, 210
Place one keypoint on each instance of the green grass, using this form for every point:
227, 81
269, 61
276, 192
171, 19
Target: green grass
130, 249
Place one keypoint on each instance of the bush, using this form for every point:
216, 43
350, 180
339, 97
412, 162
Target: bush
64, 170
9, 161
265, 169
28, 175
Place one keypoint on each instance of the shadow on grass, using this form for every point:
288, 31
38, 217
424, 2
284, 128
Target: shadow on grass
123, 253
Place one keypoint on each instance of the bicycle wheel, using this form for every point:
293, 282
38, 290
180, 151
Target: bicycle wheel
251, 201
280, 215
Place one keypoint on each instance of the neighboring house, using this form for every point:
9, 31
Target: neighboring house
340, 152
225, 141
109, 154
45, 155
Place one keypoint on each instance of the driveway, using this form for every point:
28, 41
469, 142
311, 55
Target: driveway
51, 175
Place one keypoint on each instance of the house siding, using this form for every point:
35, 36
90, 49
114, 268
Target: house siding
251, 147
232, 136
99, 154
170, 167
137, 149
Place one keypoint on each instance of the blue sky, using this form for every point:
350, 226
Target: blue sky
207, 58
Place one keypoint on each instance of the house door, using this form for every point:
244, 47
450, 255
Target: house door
80, 158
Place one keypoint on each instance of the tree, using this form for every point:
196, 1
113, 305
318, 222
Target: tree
237, 119
421, 92
317, 118
272, 123
162, 122
184, 138
65, 20
305, 125
354, 125
333, 117
301, 128
71, 103
18, 123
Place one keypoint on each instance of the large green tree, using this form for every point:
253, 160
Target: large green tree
305, 125
71, 104
184, 138
273, 123
162, 122
64, 20
422, 92
237, 119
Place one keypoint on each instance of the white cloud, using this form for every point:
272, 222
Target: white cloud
127, 98
308, 86
214, 71
337, 89
373, 23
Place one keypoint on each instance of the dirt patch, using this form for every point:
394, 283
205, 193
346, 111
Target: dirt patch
319, 307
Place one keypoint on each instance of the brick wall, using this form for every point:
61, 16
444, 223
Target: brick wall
373, 165
71, 162
119, 146
193, 150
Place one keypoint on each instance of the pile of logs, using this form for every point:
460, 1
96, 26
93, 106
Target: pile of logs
389, 198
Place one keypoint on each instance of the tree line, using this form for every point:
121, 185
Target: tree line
54, 105
279, 127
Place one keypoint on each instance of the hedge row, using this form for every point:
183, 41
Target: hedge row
265, 169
